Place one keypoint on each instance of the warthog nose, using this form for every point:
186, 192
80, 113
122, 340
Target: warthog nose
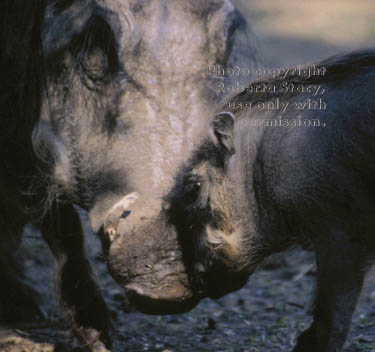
174, 299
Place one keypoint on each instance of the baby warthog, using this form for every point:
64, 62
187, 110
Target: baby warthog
264, 180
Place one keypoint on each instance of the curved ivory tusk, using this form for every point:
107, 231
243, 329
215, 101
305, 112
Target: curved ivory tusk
114, 214
110, 232
125, 202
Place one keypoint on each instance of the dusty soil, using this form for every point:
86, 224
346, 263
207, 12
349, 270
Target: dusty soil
268, 314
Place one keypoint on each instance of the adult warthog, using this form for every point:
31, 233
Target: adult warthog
101, 101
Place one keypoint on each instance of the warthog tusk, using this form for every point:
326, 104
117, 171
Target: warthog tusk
125, 202
110, 232
114, 214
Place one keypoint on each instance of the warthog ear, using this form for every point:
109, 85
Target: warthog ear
221, 131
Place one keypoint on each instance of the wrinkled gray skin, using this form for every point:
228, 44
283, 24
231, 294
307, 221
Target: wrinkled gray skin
250, 190
125, 96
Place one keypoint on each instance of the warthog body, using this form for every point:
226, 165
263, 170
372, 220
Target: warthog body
254, 188
101, 101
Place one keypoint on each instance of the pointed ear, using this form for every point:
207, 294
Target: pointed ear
221, 131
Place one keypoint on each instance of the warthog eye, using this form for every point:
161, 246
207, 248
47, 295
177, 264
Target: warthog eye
192, 189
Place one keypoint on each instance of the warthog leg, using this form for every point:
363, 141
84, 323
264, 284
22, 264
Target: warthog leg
341, 268
82, 302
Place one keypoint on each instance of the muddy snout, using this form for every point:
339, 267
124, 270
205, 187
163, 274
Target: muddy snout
144, 257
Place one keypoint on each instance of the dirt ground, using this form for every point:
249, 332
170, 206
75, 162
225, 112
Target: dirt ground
274, 307
265, 316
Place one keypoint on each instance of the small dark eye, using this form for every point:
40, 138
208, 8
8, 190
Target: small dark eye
195, 187
192, 190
